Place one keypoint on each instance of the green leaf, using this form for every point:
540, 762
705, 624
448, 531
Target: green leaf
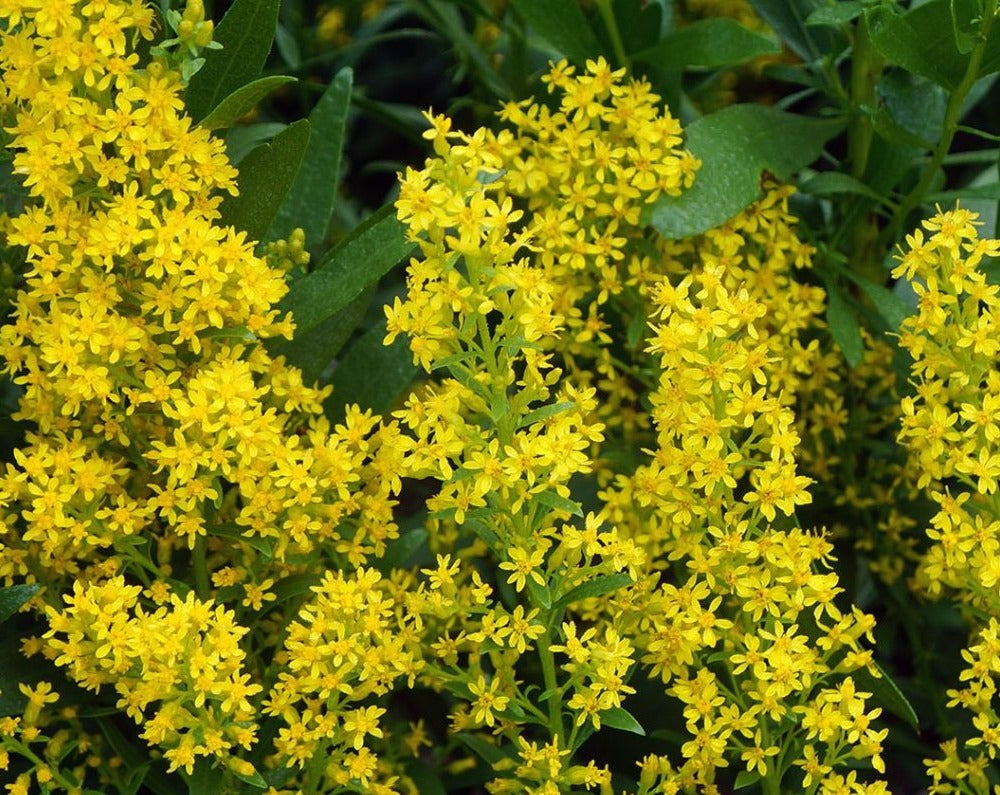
245, 33
599, 586
890, 306
241, 535
989, 192
736, 145
482, 530
14, 596
550, 499
424, 778
266, 174
155, 779
887, 693
540, 595
545, 412
837, 14
288, 47
923, 41
788, 18
309, 204
365, 255
886, 126
708, 42
313, 351
562, 25
745, 779
844, 327
254, 779
400, 552
371, 374
638, 22
243, 139
833, 182
206, 777
916, 104
964, 24
618, 718
294, 585
488, 752
225, 114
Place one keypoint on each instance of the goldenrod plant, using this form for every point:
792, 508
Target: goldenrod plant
587, 396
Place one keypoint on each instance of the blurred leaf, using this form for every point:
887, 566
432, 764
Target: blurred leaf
550, 499
241, 535
837, 14
736, 145
294, 585
313, 350
829, 183
916, 104
887, 693
923, 41
288, 47
745, 779
371, 374
424, 778
989, 192
243, 99
206, 777
488, 752
266, 174
309, 204
407, 120
400, 552
638, 22
964, 24
14, 596
243, 139
245, 33
540, 595
844, 326
618, 718
363, 257
708, 42
562, 25
886, 126
788, 18
599, 586
155, 779
254, 779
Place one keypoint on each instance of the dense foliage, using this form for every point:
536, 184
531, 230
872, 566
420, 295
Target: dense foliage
632, 426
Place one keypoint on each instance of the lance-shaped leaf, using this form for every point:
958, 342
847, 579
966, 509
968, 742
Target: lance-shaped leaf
245, 33
266, 175
309, 204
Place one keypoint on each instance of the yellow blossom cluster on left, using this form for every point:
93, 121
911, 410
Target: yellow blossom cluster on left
178, 669
167, 445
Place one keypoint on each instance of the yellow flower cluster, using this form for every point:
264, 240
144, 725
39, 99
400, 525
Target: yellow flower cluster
950, 428
750, 635
167, 441
178, 670
349, 644
724, 600
135, 338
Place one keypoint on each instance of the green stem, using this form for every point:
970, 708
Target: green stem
24, 750
608, 15
866, 70
951, 119
554, 699
200, 564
